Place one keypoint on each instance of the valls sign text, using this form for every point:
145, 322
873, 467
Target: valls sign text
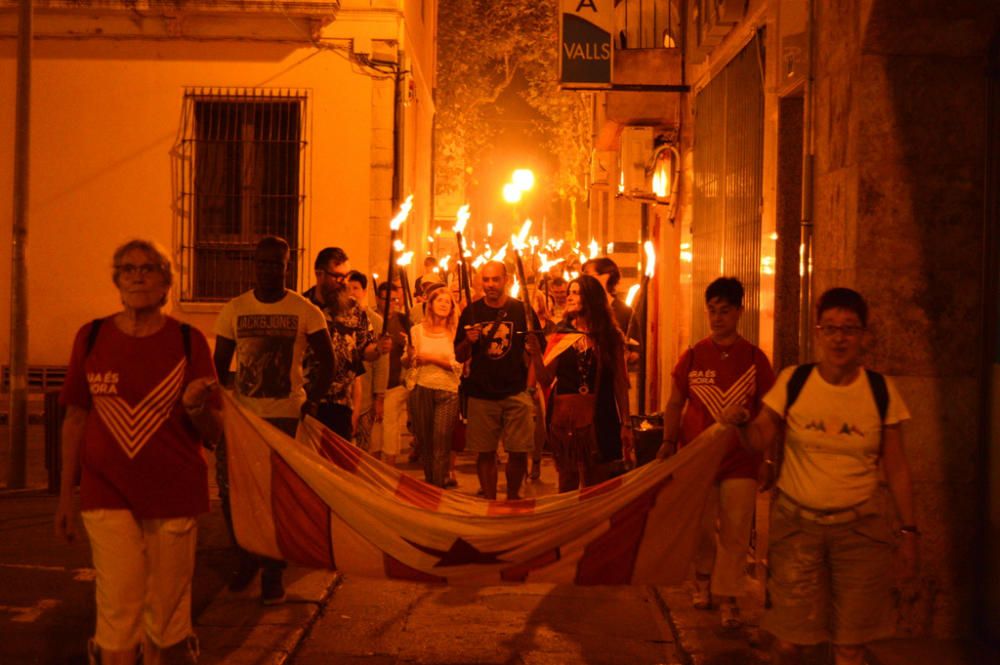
586, 28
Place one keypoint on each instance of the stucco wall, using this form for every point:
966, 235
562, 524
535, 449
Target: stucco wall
105, 115
899, 205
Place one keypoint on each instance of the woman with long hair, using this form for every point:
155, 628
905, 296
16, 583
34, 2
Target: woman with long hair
584, 363
433, 401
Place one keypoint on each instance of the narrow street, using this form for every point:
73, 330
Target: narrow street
379, 622
375, 621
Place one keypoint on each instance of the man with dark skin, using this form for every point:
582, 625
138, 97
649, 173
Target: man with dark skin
268, 330
491, 332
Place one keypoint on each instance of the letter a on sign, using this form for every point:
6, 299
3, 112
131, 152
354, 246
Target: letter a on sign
586, 52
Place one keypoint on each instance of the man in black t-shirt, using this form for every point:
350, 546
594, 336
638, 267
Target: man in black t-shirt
491, 332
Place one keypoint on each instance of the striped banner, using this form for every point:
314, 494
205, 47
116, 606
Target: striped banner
320, 502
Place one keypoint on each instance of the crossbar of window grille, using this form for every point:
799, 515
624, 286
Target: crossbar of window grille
242, 176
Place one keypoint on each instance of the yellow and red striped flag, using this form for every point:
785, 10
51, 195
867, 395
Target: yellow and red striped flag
320, 502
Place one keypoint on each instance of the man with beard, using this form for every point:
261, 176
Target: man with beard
351, 335
491, 332
269, 329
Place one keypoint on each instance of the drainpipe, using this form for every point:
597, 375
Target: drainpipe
398, 123
18, 415
806, 224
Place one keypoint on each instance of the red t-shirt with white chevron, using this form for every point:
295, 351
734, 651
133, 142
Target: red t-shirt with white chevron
712, 378
140, 451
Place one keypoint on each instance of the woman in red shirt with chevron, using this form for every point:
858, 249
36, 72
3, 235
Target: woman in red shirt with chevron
721, 370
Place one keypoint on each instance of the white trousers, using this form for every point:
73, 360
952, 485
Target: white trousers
144, 571
725, 535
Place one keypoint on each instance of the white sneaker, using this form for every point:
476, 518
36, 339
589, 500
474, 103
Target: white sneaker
702, 596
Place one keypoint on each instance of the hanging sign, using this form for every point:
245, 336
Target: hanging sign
586, 48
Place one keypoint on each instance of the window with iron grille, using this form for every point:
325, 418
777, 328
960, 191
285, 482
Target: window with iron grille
242, 176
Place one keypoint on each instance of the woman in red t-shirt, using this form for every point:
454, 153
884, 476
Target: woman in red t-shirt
140, 396
720, 370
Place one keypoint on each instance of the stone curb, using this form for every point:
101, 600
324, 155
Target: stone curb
700, 638
236, 629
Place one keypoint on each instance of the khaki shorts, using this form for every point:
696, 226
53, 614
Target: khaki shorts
510, 419
829, 583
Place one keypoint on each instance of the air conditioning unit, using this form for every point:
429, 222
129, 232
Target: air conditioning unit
636, 150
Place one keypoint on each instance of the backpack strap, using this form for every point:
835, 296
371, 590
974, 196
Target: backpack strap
95, 329
795, 384
880, 391
186, 340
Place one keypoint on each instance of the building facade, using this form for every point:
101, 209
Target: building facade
203, 126
831, 144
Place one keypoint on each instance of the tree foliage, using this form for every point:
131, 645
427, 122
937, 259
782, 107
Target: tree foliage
483, 47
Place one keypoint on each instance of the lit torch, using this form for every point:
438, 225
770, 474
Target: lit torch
464, 276
397, 221
649, 269
519, 242
403, 261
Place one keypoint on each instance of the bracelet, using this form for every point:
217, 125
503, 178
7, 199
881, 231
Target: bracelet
910, 529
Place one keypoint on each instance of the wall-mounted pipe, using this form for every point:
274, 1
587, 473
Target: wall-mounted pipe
806, 223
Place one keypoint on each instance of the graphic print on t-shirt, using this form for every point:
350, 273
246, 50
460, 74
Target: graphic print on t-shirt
501, 340
132, 426
702, 384
266, 344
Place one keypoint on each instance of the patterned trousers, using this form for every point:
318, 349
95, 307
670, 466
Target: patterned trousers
433, 413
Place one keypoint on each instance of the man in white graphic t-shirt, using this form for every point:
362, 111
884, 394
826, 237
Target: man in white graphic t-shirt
830, 543
268, 330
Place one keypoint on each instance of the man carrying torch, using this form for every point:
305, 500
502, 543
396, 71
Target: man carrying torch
491, 332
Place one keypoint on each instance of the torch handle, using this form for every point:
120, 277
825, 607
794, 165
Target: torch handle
463, 269
388, 280
529, 319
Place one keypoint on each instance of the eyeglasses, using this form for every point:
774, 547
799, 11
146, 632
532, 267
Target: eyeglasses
846, 331
339, 276
130, 269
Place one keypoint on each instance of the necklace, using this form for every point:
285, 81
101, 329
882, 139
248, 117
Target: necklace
723, 351
583, 362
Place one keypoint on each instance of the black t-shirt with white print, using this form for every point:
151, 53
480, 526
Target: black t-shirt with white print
498, 368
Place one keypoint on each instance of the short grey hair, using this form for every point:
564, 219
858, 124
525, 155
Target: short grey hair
152, 249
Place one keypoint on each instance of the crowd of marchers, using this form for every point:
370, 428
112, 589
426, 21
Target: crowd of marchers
468, 367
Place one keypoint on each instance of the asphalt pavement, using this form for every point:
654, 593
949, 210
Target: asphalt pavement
47, 609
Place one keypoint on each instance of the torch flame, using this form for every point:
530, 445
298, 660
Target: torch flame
461, 218
548, 265
595, 249
650, 258
489, 229
398, 245
501, 254
515, 288
521, 238
437, 231
632, 290
404, 260
404, 212
443, 263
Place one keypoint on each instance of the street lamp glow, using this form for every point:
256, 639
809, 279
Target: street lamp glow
511, 193
523, 179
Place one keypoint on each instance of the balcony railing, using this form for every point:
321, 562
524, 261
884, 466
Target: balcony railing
642, 24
